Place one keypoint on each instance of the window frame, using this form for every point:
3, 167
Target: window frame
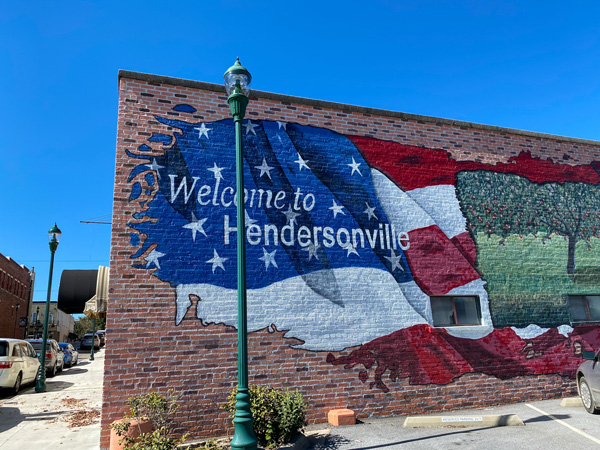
453, 298
589, 318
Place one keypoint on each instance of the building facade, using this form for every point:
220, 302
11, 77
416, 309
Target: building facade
395, 263
16, 290
60, 324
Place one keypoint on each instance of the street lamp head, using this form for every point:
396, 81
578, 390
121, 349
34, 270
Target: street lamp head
237, 79
54, 233
53, 237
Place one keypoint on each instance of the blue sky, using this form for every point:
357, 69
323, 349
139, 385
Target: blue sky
528, 65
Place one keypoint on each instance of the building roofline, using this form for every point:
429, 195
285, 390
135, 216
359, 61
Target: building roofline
349, 108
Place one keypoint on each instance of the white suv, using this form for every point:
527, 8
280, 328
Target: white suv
18, 364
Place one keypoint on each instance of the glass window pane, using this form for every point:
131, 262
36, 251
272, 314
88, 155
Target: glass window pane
578, 306
442, 311
467, 310
594, 305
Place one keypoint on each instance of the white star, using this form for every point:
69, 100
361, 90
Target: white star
282, 125
354, 166
351, 249
312, 251
155, 166
196, 226
337, 209
248, 221
269, 258
250, 127
152, 258
264, 168
291, 215
217, 171
216, 261
202, 130
301, 163
370, 211
395, 260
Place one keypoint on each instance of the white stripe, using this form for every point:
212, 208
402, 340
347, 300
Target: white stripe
441, 204
400, 209
373, 305
585, 435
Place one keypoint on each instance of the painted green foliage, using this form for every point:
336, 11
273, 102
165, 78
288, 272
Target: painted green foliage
506, 204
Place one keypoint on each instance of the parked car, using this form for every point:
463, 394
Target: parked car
588, 382
71, 355
86, 342
55, 359
18, 364
102, 335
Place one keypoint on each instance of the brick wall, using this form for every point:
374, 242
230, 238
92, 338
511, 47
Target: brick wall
156, 345
16, 286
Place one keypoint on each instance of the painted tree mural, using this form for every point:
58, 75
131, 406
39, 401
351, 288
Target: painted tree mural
507, 204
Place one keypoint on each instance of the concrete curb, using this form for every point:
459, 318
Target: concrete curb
571, 402
462, 421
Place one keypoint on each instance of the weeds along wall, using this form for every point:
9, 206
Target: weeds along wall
395, 263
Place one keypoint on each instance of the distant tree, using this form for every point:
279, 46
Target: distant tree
507, 204
84, 325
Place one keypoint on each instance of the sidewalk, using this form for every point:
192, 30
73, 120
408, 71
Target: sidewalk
67, 415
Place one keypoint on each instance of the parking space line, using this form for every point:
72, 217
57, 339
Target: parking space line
591, 438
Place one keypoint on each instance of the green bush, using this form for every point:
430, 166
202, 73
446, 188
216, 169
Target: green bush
160, 410
278, 415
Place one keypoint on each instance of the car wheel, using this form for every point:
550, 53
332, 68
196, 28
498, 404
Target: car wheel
17, 387
52, 372
62, 366
586, 396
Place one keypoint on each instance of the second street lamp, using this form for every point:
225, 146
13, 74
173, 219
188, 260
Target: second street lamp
53, 236
237, 83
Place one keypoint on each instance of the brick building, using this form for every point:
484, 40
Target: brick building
396, 263
16, 290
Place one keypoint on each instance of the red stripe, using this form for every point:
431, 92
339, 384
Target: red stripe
430, 355
464, 242
415, 167
437, 265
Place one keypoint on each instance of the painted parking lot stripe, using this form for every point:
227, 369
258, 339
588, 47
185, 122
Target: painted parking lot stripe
591, 438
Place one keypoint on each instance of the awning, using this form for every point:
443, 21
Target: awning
77, 287
95, 307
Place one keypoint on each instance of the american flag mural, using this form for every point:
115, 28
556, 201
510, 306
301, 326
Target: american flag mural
347, 238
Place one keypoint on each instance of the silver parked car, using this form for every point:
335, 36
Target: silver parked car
588, 382
55, 358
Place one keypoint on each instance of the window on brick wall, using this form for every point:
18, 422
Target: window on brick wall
584, 308
452, 311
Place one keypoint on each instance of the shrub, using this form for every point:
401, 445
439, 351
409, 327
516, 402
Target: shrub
160, 411
278, 415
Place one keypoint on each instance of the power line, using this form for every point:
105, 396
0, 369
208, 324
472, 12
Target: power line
100, 219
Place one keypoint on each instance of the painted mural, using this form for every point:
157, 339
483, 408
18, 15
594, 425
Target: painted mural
348, 237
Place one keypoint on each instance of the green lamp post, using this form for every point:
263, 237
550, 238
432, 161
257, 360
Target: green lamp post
237, 83
53, 236
93, 338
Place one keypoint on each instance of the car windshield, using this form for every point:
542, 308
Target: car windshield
4, 348
37, 346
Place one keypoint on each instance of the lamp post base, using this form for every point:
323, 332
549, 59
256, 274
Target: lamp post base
40, 385
243, 436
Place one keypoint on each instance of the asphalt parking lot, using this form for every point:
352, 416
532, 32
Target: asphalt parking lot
548, 426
